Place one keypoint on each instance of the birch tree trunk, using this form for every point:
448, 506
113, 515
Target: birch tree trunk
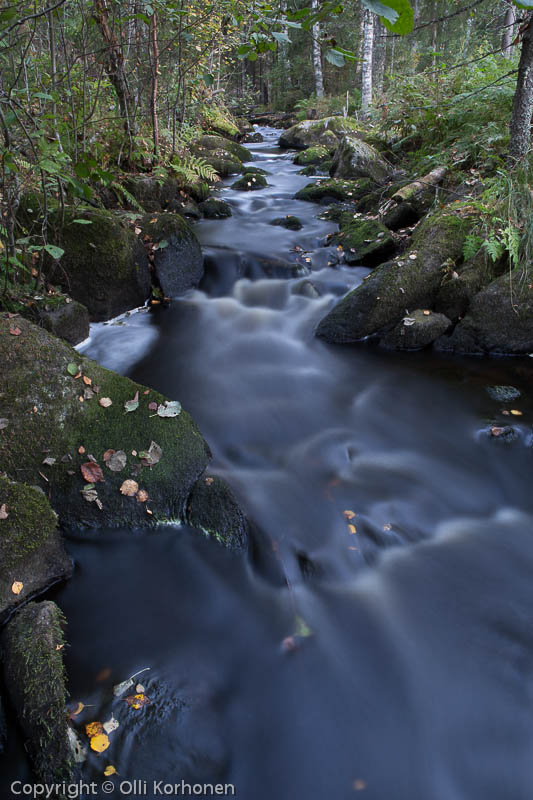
284, 48
508, 31
155, 76
368, 49
520, 129
317, 55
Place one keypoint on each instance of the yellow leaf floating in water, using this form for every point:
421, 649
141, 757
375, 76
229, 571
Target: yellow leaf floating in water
515, 412
137, 701
99, 743
93, 729
110, 770
352, 528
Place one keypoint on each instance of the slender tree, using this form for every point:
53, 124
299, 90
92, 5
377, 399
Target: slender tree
368, 51
520, 130
317, 55
508, 30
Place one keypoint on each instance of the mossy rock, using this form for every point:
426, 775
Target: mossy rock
52, 309
313, 155
251, 170
146, 190
289, 222
31, 550
364, 241
224, 165
417, 330
329, 190
212, 508
326, 132
309, 171
409, 282
253, 138
34, 674
244, 125
69, 321
219, 122
250, 182
177, 257
218, 144
458, 289
356, 158
499, 320
213, 208
46, 419
104, 266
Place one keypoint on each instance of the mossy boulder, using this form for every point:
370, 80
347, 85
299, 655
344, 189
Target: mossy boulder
69, 321
499, 320
177, 256
48, 422
356, 158
220, 122
31, 550
253, 138
34, 673
244, 125
104, 265
212, 508
364, 241
213, 208
326, 132
416, 330
250, 182
313, 155
218, 144
52, 309
224, 164
251, 170
330, 190
147, 192
289, 222
396, 287
458, 289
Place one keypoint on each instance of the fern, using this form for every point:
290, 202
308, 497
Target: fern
494, 247
472, 245
127, 196
191, 168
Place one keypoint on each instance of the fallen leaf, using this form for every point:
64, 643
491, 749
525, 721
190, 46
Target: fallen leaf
3, 511
17, 587
129, 488
349, 514
352, 528
132, 405
496, 431
87, 381
169, 409
92, 472
81, 449
140, 688
142, 496
152, 456
77, 710
91, 496
515, 412
117, 461
427, 313
72, 369
49, 461
88, 394
105, 402
111, 725
152, 406
5, 422
108, 454
99, 743
93, 729
120, 688
15, 331
137, 701
110, 770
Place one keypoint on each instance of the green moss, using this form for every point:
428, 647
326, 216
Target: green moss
218, 145
331, 189
363, 240
219, 121
35, 675
30, 522
326, 132
289, 222
250, 182
313, 155
41, 401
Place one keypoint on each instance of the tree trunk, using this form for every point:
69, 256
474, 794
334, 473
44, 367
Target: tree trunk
368, 47
317, 55
114, 66
284, 48
508, 31
155, 75
520, 130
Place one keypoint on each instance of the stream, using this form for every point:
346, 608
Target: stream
391, 660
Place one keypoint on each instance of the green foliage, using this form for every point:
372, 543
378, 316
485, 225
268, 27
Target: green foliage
191, 168
328, 106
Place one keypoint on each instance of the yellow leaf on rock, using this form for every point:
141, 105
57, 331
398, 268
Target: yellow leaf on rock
515, 412
129, 488
93, 729
17, 587
99, 743
110, 770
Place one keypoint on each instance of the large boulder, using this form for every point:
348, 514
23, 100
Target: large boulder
32, 557
417, 330
314, 155
499, 320
175, 251
330, 190
104, 265
68, 320
214, 208
396, 287
219, 145
326, 132
356, 158
35, 678
58, 423
364, 241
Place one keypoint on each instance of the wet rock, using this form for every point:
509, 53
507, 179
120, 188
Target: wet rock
245, 126
275, 119
185, 206
305, 289
364, 241
213, 208
31, 549
252, 138
212, 507
313, 155
224, 165
69, 321
289, 222
409, 282
104, 265
250, 182
499, 320
34, 674
47, 420
326, 132
146, 190
251, 170
356, 158
178, 261
331, 190
458, 289
415, 331
218, 145
503, 394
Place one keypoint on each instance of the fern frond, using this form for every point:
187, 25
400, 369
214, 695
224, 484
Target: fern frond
127, 196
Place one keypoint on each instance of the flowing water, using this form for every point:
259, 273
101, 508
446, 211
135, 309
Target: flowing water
392, 660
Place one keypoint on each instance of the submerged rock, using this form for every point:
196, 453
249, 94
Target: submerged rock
289, 222
326, 132
104, 265
213, 208
331, 190
356, 158
57, 423
409, 282
177, 257
34, 674
32, 557
415, 331
212, 507
499, 320
250, 182
364, 241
